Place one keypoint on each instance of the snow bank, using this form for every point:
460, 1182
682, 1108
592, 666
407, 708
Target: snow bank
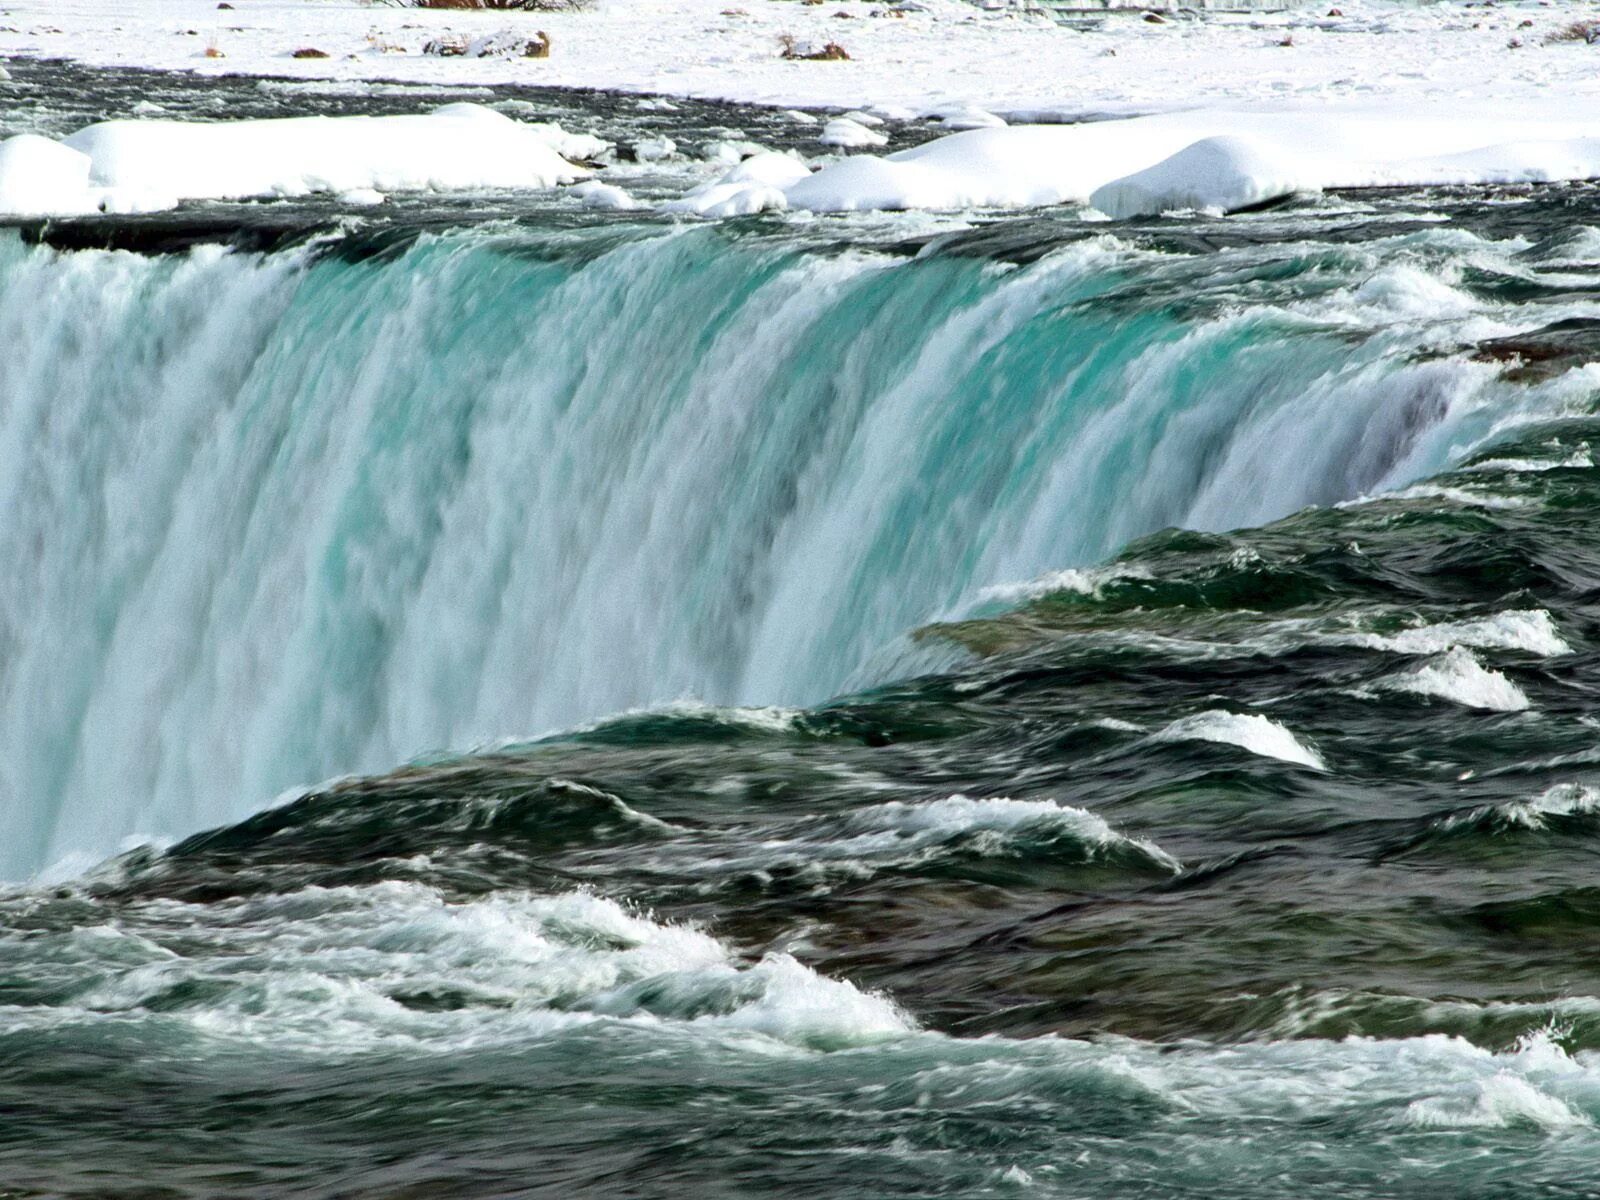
1224, 159
939, 57
40, 175
131, 166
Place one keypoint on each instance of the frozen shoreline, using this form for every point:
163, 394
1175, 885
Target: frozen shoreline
1231, 136
952, 53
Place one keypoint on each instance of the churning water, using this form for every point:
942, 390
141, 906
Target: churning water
1104, 710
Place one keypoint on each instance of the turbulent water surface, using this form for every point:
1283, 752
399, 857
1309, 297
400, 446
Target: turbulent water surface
1044, 708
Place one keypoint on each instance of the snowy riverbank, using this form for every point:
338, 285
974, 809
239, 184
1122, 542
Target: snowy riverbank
1247, 110
950, 52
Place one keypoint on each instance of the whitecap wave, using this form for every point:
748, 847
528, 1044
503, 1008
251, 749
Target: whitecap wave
1579, 459
1531, 631
1257, 734
1501, 1101
818, 852
346, 970
1562, 800
1439, 491
1457, 676
897, 826
1083, 581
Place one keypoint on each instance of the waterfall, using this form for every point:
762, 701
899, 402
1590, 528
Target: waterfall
269, 518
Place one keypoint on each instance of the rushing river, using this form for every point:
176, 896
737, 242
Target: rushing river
816, 708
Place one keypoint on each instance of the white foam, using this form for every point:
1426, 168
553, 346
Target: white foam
1531, 631
1249, 731
819, 852
937, 821
328, 971
1562, 800
770, 719
1580, 459
1303, 1011
1437, 491
1085, 581
1502, 1100
1457, 676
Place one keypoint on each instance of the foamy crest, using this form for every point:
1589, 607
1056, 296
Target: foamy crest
1500, 1101
1451, 495
1531, 631
768, 719
1562, 800
348, 969
993, 822
1084, 581
1457, 676
1580, 459
1257, 734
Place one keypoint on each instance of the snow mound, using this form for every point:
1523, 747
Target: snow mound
653, 150
1220, 172
1213, 159
128, 165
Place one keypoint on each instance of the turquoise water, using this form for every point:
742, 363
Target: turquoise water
279, 518
1046, 709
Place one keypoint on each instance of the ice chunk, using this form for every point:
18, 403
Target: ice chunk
362, 197
595, 194
755, 185
846, 134
1226, 173
964, 116
649, 150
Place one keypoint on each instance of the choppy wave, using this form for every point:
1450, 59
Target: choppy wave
1563, 804
1457, 676
1249, 731
1529, 631
345, 971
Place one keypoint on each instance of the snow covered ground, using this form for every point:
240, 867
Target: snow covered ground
1243, 109
951, 53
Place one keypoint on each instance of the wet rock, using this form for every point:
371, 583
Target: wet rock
1545, 352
